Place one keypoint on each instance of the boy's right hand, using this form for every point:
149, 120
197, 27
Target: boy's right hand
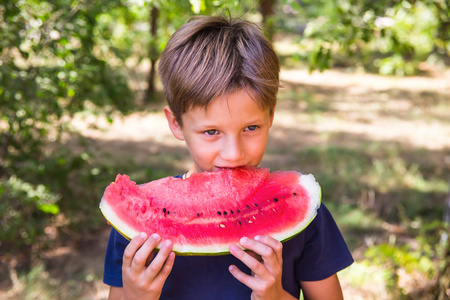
142, 280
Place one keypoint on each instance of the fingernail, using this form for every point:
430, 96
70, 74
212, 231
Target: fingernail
143, 235
233, 248
168, 243
257, 238
244, 240
155, 236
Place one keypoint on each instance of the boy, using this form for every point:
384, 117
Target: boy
221, 78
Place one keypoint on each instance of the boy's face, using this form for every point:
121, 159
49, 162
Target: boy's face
231, 132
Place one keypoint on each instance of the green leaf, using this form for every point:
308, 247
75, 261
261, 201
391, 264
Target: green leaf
49, 208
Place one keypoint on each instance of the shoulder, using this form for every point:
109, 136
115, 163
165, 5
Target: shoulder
324, 250
324, 233
324, 213
317, 232
116, 242
323, 221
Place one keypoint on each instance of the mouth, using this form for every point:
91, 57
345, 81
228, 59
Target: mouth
230, 167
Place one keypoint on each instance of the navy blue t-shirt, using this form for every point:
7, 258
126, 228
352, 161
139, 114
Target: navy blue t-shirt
316, 253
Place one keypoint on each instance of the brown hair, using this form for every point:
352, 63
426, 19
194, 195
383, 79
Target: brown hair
213, 56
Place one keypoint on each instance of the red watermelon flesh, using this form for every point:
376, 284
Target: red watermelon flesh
208, 211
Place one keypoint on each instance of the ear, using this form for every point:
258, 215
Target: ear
173, 124
272, 116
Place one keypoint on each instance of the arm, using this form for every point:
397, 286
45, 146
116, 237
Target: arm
115, 293
328, 288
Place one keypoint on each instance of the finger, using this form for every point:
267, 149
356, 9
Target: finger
165, 270
274, 244
255, 256
265, 251
254, 264
132, 247
142, 254
269, 249
156, 266
242, 277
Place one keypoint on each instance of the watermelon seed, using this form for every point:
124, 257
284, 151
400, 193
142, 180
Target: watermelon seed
168, 212
256, 204
224, 213
248, 206
276, 199
198, 215
238, 211
240, 223
219, 213
164, 210
295, 194
231, 211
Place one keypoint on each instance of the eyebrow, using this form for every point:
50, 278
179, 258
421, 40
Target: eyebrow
203, 126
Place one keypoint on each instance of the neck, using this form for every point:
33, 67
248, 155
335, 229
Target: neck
191, 171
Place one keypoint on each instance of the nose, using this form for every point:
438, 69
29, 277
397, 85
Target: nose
233, 151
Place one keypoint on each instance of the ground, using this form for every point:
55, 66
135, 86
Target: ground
315, 111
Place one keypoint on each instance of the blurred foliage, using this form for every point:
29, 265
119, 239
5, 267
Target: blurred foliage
20, 203
418, 261
391, 37
54, 61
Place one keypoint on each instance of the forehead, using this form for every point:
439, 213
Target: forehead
236, 107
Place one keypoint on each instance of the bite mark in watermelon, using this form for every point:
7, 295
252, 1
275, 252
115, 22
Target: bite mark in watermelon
208, 211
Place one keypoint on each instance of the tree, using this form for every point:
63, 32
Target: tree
153, 51
53, 63
376, 35
267, 9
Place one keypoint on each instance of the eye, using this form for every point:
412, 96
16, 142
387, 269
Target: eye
252, 127
211, 132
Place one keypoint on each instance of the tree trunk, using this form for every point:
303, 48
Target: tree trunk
267, 9
153, 54
442, 31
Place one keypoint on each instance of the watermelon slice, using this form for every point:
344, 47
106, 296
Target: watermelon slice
208, 211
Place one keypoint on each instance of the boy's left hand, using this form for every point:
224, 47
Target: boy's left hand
266, 280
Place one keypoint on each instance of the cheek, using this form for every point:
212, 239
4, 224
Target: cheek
256, 148
201, 151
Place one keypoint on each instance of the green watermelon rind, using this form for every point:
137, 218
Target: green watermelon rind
315, 193
307, 181
314, 207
